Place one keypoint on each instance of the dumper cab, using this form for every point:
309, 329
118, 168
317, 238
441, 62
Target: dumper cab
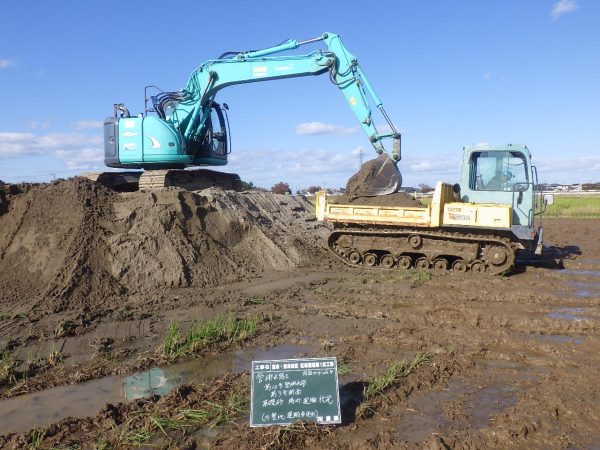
502, 175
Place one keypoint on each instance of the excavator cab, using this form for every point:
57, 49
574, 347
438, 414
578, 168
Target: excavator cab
213, 146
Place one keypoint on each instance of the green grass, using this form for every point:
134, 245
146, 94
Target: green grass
255, 301
392, 376
142, 427
130, 436
344, 368
214, 414
12, 316
420, 276
8, 365
36, 437
201, 335
573, 206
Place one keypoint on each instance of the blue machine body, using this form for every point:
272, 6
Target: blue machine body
189, 128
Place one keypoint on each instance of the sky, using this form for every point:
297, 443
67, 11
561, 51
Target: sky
450, 74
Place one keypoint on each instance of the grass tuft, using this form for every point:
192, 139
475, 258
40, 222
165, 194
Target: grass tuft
344, 368
36, 437
12, 316
420, 276
201, 335
214, 414
8, 365
382, 382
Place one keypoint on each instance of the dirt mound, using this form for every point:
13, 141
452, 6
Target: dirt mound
50, 245
9, 191
75, 244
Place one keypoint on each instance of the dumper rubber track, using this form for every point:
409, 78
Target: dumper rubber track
438, 250
192, 180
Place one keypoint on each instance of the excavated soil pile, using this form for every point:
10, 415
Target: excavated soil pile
75, 244
357, 183
8, 191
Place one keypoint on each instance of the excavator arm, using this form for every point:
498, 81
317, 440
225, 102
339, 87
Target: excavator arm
189, 112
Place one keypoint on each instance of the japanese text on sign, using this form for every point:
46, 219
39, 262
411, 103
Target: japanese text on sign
286, 391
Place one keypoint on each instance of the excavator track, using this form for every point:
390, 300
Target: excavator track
192, 180
117, 181
406, 248
151, 180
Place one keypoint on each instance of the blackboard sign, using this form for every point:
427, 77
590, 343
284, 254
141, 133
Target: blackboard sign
290, 390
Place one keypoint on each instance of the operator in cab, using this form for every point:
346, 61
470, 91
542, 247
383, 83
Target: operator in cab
498, 181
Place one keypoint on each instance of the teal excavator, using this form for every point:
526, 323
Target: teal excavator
188, 128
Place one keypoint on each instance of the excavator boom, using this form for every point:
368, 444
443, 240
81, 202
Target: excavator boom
189, 128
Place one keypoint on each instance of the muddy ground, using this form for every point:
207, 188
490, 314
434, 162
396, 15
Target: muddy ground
88, 291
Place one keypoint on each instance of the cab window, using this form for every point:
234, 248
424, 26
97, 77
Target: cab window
497, 171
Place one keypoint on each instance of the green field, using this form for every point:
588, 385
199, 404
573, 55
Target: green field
574, 206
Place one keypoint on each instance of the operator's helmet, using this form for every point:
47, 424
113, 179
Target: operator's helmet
505, 176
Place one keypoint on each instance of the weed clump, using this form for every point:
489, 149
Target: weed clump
204, 334
382, 382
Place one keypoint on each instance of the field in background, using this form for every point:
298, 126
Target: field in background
574, 206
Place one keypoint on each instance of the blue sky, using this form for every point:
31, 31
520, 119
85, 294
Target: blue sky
449, 74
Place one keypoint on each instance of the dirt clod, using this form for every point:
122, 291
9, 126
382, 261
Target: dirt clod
357, 182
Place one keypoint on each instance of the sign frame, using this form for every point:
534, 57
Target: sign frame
296, 373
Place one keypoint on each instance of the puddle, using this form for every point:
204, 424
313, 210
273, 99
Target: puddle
573, 314
490, 401
594, 273
560, 339
42, 408
433, 412
581, 284
588, 260
583, 289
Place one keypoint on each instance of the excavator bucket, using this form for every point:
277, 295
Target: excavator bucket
379, 176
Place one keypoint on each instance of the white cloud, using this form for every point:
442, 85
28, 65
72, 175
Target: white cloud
46, 122
574, 169
563, 7
303, 168
487, 76
75, 150
6, 63
317, 128
87, 124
